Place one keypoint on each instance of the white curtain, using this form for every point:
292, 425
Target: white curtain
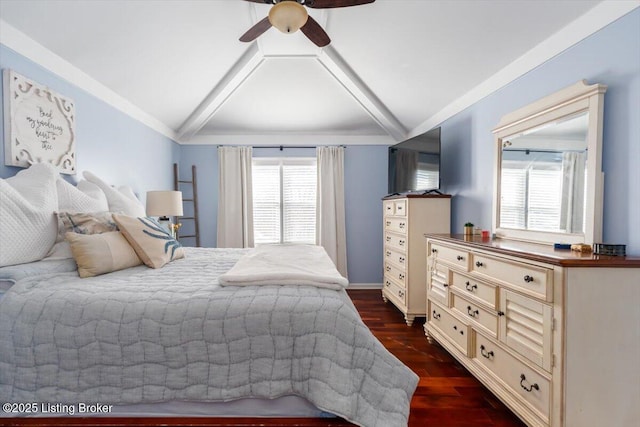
330, 213
235, 202
573, 195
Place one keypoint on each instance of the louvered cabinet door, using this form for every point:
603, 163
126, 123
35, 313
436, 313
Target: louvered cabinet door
526, 327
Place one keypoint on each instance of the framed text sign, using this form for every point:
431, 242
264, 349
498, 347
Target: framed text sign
39, 125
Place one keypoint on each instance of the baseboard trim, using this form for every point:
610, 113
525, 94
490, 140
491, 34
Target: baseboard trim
365, 286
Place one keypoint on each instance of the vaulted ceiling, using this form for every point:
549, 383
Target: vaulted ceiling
394, 68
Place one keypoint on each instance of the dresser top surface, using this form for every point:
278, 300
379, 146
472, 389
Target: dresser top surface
538, 252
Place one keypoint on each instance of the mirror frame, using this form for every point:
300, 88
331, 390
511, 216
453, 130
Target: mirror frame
575, 99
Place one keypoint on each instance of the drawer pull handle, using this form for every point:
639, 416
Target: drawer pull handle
446, 285
485, 354
401, 243
434, 250
479, 264
402, 224
387, 268
388, 238
435, 315
401, 294
459, 258
402, 259
472, 313
471, 287
388, 223
455, 327
501, 313
388, 283
388, 253
528, 279
531, 387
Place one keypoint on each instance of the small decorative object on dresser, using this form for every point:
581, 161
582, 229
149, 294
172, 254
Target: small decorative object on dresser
468, 229
406, 219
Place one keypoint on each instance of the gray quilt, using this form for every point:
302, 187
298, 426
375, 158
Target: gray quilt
142, 335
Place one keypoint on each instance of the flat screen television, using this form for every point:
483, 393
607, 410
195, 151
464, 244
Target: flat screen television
414, 164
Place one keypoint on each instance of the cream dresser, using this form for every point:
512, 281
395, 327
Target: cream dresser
406, 219
554, 334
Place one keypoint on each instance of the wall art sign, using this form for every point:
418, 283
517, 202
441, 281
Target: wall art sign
39, 125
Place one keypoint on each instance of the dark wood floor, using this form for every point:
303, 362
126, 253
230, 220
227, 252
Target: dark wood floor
447, 394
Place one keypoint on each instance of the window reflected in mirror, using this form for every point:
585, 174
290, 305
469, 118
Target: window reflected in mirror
543, 177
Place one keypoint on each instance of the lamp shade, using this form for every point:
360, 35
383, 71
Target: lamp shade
164, 203
288, 16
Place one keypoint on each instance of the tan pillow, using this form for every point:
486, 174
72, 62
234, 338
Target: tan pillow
84, 223
103, 253
153, 244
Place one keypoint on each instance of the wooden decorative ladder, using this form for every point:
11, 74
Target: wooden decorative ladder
193, 183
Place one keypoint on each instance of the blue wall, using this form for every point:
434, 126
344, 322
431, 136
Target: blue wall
610, 56
365, 185
109, 143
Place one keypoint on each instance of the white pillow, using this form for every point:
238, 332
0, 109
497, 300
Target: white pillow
74, 199
28, 227
118, 201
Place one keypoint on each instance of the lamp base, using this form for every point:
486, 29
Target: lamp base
165, 223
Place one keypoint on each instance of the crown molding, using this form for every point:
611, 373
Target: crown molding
29, 48
594, 20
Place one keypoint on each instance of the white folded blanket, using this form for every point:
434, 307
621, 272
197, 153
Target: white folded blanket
289, 264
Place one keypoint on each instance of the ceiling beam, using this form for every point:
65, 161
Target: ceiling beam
248, 63
344, 74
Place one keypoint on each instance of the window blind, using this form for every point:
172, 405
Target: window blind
284, 200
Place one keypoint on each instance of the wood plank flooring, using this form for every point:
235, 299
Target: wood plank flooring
447, 394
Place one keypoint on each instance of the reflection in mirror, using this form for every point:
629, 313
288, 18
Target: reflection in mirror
543, 177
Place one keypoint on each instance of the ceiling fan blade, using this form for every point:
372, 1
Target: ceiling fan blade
256, 31
327, 4
315, 33
261, 1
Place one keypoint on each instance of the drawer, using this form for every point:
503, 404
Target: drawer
387, 207
395, 257
474, 313
438, 284
452, 256
395, 207
456, 331
396, 292
528, 278
399, 225
528, 385
475, 289
400, 207
526, 327
396, 241
395, 273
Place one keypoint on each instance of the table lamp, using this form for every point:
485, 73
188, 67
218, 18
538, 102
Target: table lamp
164, 204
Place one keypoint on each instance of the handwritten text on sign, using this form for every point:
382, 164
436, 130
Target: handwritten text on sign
39, 125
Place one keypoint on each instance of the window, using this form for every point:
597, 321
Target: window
284, 200
531, 195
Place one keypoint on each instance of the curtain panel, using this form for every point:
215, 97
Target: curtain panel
235, 201
330, 211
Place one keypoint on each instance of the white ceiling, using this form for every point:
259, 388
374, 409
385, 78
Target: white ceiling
394, 68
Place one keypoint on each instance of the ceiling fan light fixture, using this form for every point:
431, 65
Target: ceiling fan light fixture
288, 16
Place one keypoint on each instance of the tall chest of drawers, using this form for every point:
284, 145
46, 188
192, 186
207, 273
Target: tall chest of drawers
405, 221
554, 334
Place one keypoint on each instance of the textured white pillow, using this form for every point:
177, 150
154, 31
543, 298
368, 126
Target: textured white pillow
85, 197
28, 227
118, 201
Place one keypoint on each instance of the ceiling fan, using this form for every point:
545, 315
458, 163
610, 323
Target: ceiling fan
290, 16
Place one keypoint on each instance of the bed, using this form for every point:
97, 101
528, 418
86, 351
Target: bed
173, 340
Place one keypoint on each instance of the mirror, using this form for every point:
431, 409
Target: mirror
548, 175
